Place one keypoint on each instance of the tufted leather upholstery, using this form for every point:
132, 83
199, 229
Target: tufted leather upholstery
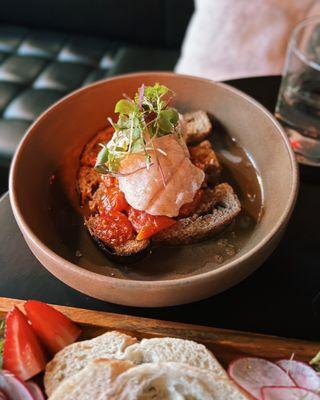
38, 67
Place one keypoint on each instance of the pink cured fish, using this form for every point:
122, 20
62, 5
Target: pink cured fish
160, 190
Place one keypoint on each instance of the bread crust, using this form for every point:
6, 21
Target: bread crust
219, 209
197, 126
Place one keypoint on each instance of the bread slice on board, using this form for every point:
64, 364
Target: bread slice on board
76, 356
172, 381
94, 382
115, 345
120, 380
158, 350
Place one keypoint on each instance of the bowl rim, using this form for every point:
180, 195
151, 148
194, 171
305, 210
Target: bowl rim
197, 278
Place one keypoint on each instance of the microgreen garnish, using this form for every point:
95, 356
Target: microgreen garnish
315, 362
141, 120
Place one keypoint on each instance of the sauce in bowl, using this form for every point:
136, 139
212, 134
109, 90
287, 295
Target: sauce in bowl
165, 262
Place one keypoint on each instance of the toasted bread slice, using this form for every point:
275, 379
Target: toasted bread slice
119, 380
197, 126
158, 350
76, 356
204, 157
88, 183
216, 211
219, 209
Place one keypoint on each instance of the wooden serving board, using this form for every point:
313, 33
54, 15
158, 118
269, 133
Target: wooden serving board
225, 344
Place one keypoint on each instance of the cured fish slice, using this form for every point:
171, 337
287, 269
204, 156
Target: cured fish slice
160, 189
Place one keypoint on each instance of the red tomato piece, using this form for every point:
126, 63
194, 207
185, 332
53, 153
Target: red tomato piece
113, 227
189, 208
147, 225
22, 353
54, 329
113, 199
109, 180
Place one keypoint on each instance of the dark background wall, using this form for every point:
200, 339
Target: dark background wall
150, 22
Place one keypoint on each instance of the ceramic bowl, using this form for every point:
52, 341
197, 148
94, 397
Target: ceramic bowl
45, 211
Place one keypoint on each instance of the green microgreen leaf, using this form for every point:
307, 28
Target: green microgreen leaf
167, 120
315, 362
140, 121
148, 160
124, 106
102, 160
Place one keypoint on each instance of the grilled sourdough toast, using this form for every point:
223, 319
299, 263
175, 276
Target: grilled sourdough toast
218, 207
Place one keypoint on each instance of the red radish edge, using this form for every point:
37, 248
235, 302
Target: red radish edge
286, 387
291, 375
15, 380
35, 391
248, 357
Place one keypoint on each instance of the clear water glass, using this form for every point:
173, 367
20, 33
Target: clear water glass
298, 105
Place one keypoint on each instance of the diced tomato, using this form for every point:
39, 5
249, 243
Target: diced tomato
54, 329
113, 227
113, 199
109, 180
22, 353
147, 225
189, 208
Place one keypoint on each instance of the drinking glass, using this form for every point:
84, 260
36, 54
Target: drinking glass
298, 105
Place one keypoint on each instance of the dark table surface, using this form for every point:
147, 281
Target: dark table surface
282, 297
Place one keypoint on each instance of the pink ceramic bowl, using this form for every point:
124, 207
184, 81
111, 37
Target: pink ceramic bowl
174, 276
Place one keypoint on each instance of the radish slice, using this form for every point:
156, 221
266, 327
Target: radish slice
253, 373
13, 387
303, 375
287, 393
35, 391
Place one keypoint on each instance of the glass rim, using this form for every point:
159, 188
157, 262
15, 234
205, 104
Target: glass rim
293, 41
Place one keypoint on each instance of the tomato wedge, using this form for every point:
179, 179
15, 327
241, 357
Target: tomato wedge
54, 329
147, 225
112, 227
22, 353
113, 199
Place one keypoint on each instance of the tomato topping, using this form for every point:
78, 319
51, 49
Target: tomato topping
113, 227
113, 199
109, 180
22, 353
147, 225
189, 208
54, 329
